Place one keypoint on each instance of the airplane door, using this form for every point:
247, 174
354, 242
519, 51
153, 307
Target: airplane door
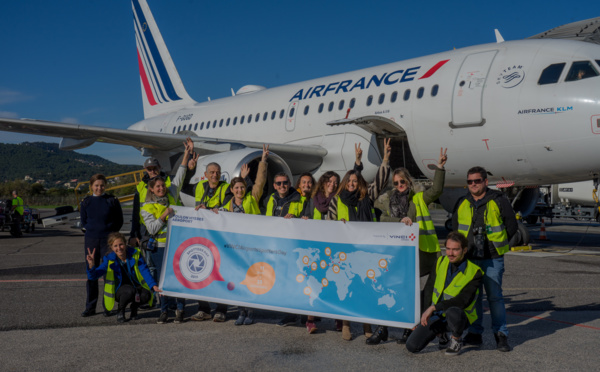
292, 112
468, 90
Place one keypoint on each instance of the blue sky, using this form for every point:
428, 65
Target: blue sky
75, 61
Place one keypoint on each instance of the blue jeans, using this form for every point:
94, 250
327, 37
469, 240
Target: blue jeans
492, 282
165, 301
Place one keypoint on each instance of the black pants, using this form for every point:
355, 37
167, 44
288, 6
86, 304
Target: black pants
205, 306
456, 321
126, 295
101, 245
15, 228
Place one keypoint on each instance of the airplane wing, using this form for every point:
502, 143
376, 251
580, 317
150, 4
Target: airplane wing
586, 30
76, 136
377, 125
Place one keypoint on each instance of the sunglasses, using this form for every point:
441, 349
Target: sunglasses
282, 183
152, 169
476, 181
402, 182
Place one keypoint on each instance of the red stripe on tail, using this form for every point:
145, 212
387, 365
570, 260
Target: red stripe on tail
145, 82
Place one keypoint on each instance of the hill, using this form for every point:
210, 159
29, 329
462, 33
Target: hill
44, 161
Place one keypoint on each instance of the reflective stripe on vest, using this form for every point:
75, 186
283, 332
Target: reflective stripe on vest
249, 204
457, 284
428, 240
157, 210
110, 285
295, 207
217, 199
342, 210
495, 231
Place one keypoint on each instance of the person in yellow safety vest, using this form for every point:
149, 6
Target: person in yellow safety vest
486, 218
155, 213
354, 202
285, 201
323, 193
127, 280
452, 296
17, 215
304, 186
407, 206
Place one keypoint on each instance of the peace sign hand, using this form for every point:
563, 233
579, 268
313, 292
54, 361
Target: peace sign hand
265, 153
90, 258
443, 158
387, 149
358, 151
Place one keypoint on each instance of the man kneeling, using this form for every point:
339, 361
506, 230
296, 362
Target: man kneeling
453, 296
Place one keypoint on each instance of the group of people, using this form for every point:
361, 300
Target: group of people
483, 223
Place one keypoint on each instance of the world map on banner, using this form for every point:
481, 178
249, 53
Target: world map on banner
320, 269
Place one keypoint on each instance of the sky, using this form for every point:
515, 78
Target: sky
75, 61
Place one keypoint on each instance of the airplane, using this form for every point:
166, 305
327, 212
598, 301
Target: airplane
527, 110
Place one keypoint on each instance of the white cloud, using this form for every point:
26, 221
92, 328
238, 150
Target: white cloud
12, 96
9, 115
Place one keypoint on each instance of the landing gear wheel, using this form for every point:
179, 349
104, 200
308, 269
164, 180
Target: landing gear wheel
521, 237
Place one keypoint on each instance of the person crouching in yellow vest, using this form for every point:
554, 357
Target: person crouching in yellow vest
127, 281
453, 294
407, 206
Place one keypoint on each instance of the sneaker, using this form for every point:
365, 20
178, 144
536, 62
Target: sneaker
501, 342
88, 312
311, 327
178, 316
162, 319
121, 316
289, 319
219, 317
405, 334
443, 341
249, 318
473, 339
454, 347
201, 315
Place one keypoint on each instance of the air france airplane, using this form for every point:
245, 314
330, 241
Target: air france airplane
527, 110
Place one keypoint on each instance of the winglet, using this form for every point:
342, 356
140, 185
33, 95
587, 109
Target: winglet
162, 89
499, 38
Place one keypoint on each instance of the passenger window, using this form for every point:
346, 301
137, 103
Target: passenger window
420, 92
249, 118
406, 94
235, 120
214, 124
381, 98
273, 115
227, 124
341, 105
195, 126
281, 113
551, 74
352, 102
257, 117
221, 123
369, 100
581, 70
330, 107
179, 129
320, 108
202, 126
434, 90
306, 110
174, 129
265, 116
242, 119
292, 110
394, 97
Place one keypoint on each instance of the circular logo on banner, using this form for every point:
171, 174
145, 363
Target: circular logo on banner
196, 263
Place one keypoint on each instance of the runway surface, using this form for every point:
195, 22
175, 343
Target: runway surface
552, 296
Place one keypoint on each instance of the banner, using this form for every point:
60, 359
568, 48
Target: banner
358, 271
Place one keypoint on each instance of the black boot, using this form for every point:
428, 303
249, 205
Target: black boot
405, 334
380, 334
134, 312
121, 315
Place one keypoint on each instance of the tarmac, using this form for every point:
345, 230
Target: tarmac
552, 296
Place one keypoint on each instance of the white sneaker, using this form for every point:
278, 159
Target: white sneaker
454, 347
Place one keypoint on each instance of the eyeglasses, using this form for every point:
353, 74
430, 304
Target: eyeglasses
402, 182
282, 183
475, 181
152, 169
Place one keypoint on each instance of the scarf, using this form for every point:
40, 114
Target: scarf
322, 202
363, 212
399, 204
164, 200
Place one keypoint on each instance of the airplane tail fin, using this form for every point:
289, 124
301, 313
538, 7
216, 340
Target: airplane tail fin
162, 89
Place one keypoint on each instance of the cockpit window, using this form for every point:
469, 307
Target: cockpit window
581, 70
551, 74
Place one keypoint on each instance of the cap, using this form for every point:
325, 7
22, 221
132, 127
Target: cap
151, 162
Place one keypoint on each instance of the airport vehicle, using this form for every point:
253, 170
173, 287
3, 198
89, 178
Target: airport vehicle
526, 110
577, 200
30, 217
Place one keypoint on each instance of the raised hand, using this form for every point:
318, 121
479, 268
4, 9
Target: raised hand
90, 258
245, 171
443, 157
387, 149
358, 151
265, 153
193, 161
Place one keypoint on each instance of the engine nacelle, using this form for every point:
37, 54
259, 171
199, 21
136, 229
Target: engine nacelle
231, 163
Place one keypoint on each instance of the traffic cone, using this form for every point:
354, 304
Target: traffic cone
543, 231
